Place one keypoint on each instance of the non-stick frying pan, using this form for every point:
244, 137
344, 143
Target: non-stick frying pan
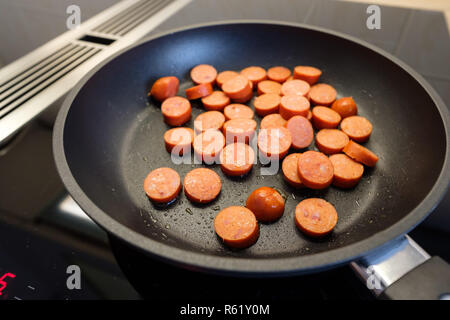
108, 136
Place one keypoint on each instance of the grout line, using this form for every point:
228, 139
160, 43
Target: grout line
310, 10
403, 32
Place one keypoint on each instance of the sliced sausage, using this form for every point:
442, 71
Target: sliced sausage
322, 94
237, 227
278, 74
199, 91
176, 111
236, 159
203, 73
274, 143
162, 185
346, 107
237, 88
268, 86
315, 217
315, 170
202, 185
164, 88
301, 131
290, 170
347, 172
357, 128
359, 153
297, 87
216, 101
238, 111
207, 145
209, 120
293, 105
266, 104
325, 118
307, 73
309, 116
273, 120
244, 99
179, 140
266, 204
254, 74
331, 141
224, 76
239, 130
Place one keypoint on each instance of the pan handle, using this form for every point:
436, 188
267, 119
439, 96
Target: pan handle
403, 270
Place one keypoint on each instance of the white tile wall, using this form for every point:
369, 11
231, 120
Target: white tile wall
27, 24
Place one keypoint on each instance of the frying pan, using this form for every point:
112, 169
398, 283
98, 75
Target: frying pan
108, 136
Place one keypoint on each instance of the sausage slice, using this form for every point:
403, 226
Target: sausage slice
224, 76
273, 120
209, 120
357, 128
181, 138
307, 73
266, 104
322, 94
297, 87
347, 172
176, 111
202, 185
216, 101
203, 73
164, 88
266, 203
346, 107
237, 88
236, 159
315, 217
293, 105
236, 111
274, 143
237, 227
325, 118
239, 130
331, 141
162, 185
208, 144
301, 130
359, 153
200, 91
290, 170
268, 86
315, 170
278, 74
254, 74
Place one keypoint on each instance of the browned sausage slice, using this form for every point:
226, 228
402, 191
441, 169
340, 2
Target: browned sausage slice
346, 107
297, 87
224, 76
202, 185
294, 105
347, 172
266, 104
268, 86
179, 138
273, 120
200, 91
237, 227
236, 111
274, 143
254, 74
239, 130
359, 153
325, 118
307, 73
164, 88
301, 131
322, 94
176, 111
331, 141
209, 120
278, 74
290, 170
208, 144
357, 128
315, 170
203, 73
237, 159
216, 101
315, 217
162, 185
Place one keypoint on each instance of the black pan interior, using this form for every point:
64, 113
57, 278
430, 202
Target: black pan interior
113, 138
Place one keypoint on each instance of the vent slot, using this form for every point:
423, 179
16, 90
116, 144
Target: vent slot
36, 82
97, 40
129, 19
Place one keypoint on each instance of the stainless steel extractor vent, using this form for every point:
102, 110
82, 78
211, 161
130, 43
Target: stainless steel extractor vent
43, 77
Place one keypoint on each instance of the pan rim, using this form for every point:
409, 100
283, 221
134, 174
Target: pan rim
244, 266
